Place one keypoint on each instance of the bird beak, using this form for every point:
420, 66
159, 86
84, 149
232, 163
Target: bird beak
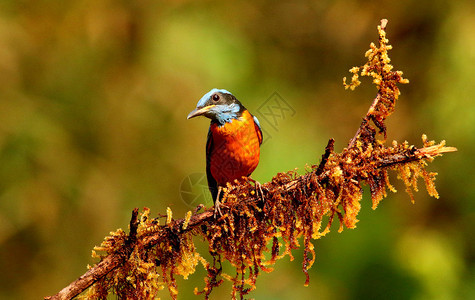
199, 111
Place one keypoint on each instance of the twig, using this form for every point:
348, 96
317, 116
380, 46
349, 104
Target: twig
325, 156
423, 153
365, 121
377, 100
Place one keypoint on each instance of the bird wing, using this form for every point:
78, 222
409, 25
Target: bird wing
258, 129
212, 184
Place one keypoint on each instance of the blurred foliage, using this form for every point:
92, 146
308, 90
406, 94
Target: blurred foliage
93, 102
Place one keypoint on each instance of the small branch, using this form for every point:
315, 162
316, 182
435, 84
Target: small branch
434, 151
325, 156
423, 153
133, 225
381, 75
366, 120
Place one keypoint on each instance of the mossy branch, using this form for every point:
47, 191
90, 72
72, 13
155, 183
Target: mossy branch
261, 224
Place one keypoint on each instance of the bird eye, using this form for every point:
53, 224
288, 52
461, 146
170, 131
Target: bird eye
215, 97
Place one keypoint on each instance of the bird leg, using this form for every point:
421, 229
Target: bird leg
217, 203
258, 187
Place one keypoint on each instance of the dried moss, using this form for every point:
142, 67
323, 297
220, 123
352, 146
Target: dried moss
256, 227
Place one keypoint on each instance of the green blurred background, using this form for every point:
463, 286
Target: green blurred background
93, 103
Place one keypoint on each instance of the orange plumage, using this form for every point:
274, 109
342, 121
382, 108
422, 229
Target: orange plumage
233, 149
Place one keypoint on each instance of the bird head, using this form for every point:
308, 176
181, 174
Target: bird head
218, 105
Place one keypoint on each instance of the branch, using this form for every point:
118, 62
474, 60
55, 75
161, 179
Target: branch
270, 217
112, 261
91, 276
419, 154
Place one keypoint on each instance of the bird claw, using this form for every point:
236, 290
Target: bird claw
259, 191
200, 206
258, 187
217, 210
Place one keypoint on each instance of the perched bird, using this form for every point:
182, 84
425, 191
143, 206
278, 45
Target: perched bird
234, 139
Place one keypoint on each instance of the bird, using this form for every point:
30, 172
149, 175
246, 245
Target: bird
233, 142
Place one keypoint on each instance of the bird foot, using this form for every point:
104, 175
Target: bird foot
217, 204
198, 208
217, 209
259, 191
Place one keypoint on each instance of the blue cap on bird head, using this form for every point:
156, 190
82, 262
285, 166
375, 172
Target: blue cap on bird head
218, 105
